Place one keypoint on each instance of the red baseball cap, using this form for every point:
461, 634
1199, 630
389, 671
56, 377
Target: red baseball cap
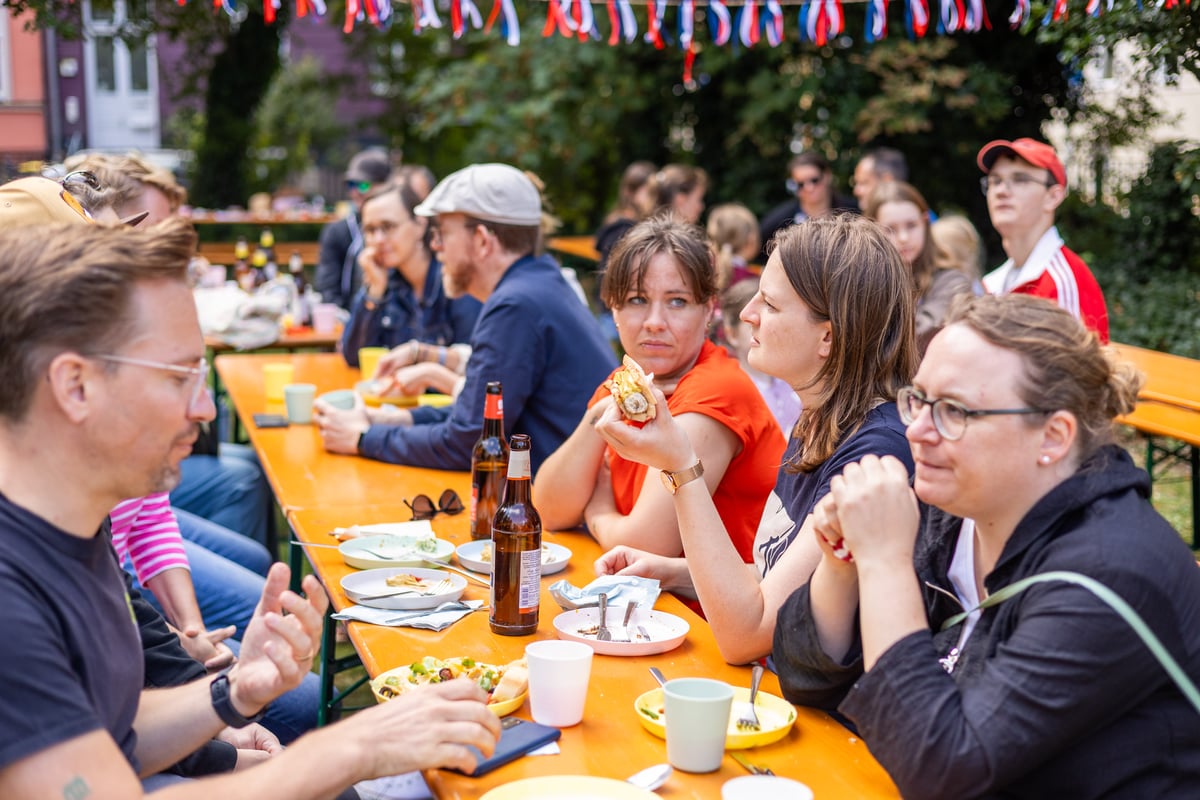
1037, 153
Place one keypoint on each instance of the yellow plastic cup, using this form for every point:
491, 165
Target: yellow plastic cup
275, 377
368, 360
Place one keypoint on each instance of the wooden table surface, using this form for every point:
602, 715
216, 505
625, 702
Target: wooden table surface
307, 339
320, 491
1170, 379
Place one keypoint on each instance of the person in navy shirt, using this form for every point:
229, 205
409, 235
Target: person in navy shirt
533, 335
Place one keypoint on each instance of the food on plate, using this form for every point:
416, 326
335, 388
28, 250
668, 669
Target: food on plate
630, 387
405, 579
485, 554
769, 719
502, 683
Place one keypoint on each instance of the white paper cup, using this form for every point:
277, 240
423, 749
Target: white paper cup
765, 787
324, 317
298, 398
697, 720
558, 681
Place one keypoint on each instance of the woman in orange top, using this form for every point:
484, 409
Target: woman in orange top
661, 284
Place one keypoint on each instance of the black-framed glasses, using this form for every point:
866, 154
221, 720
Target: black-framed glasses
422, 505
949, 416
1016, 182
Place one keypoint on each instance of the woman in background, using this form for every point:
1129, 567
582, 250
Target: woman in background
904, 214
779, 397
733, 230
680, 189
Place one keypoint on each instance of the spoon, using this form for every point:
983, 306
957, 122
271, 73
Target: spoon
658, 676
651, 778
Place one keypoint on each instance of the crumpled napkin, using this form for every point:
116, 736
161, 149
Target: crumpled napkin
430, 619
621, 590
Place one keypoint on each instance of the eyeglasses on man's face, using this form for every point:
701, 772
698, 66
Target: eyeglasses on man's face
794, 185
423, 507
194, 378
437, 231
1018, 181
949, 416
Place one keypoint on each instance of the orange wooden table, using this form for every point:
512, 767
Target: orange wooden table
610, 741
320, 491
1170, 379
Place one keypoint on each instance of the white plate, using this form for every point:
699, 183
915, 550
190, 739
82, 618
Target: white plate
554, 557
357, 585
368, 552
666, 631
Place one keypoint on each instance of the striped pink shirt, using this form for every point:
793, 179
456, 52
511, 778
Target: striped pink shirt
145, 529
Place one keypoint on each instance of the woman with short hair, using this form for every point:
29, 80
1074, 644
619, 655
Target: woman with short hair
661, 285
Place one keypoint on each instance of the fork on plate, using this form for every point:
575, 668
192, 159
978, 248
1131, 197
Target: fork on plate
749, 722
444, 585
603, 634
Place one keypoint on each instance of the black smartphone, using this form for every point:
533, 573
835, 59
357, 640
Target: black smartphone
517, 737
270, 421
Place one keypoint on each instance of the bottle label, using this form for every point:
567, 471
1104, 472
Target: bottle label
518, 465
531, 581
493, 406
474, 502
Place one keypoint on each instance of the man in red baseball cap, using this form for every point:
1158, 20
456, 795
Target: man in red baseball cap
1024, 182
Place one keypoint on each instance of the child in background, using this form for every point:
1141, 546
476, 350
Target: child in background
733, 230
956, 245
780, 397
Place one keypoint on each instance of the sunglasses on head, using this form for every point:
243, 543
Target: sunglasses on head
422, 505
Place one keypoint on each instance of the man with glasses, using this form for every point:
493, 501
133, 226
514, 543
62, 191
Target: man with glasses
100, 402
1025, 183
532, 334
338, 276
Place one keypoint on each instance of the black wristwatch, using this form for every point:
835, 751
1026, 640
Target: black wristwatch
223, 705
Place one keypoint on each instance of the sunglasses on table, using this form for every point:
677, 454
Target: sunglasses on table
423, 507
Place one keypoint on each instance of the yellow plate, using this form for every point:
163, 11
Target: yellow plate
576, 787
499, 709
374, 400
776, 715
434, 400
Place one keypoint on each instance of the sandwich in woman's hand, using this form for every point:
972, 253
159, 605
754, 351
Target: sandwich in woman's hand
630, 387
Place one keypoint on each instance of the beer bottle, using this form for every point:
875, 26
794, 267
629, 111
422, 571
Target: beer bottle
489, 463
516, 550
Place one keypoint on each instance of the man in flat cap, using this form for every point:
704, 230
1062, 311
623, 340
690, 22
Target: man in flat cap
1025, 183
338, 276
533, 334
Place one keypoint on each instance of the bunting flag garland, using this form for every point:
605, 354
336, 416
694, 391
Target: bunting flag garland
772, 21
655, 14
463, 12
876, 27
916, 17
510, 27
1056, 12
720, 23
556, 19
687, 24
746, 23
820, 21
1020, 14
